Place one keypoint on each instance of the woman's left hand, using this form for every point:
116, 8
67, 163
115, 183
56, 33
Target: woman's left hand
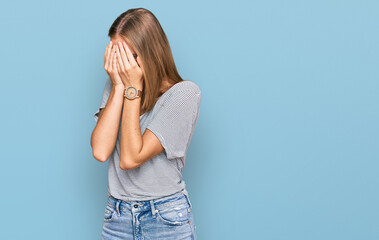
128, 69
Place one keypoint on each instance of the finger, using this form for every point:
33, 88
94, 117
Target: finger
108, 53
119, 59
107, 49
118, 66
114, 63
123, 55
111, 57
118, 63
129, 54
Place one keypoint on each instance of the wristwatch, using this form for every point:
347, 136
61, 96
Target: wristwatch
132, 93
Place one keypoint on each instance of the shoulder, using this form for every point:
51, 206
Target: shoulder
187, 86
184, 92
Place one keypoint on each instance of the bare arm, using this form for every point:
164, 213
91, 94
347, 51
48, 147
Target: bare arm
135, 149
104, 136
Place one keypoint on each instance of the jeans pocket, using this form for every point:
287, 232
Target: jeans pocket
173, 215
109, 213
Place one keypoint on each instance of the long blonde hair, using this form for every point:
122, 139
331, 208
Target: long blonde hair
143, 32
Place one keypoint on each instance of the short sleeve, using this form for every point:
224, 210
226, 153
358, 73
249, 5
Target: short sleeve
106, 92
174, 123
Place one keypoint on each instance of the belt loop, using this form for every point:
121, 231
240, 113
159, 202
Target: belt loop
186, 194
153, 210
118, 207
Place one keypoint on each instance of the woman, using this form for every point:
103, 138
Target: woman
145, 122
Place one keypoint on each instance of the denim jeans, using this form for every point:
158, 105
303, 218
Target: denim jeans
167, 218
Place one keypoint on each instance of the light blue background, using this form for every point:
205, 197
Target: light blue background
286, 145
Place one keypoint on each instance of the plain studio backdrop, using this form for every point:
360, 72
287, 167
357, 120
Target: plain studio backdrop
286, 145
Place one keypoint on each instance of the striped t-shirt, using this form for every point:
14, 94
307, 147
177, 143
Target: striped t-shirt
172, 120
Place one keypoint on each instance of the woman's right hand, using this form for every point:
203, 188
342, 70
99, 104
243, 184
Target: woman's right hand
110, 64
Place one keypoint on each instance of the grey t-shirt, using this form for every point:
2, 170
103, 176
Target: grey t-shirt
172, 120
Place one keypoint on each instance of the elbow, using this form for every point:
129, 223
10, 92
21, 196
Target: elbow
100, 156
127, 164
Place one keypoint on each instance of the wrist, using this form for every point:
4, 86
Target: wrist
119, 88
138, 86
132, 93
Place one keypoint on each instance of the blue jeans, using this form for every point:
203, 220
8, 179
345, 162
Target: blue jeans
167, 218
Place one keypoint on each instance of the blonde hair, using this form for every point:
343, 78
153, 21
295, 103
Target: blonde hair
143, 32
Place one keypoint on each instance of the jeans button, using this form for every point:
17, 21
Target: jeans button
135, 205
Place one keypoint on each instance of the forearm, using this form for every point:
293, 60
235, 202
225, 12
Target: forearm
131, 138
104, 136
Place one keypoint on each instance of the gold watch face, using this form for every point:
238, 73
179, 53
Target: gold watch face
131, 92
